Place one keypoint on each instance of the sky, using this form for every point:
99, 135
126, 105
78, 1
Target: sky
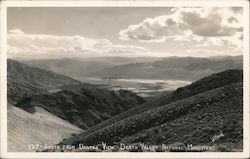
48, 32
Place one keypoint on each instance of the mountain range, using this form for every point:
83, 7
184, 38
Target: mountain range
82, 67
170, 68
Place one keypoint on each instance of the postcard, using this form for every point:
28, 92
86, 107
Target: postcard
125, 79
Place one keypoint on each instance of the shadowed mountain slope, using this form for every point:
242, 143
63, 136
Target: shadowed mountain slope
81, 104
24, 81
84, 106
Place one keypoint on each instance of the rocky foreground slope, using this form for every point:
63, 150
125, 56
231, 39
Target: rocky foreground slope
195, 114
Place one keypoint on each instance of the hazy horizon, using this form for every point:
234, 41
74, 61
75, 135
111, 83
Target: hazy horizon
56, 58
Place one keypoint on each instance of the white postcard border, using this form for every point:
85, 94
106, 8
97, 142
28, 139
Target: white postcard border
207, 3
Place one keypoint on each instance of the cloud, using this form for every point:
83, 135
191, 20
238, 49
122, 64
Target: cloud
211, 26
16, 31
31, 45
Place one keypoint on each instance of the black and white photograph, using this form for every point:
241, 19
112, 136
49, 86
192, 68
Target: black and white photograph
133, 79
